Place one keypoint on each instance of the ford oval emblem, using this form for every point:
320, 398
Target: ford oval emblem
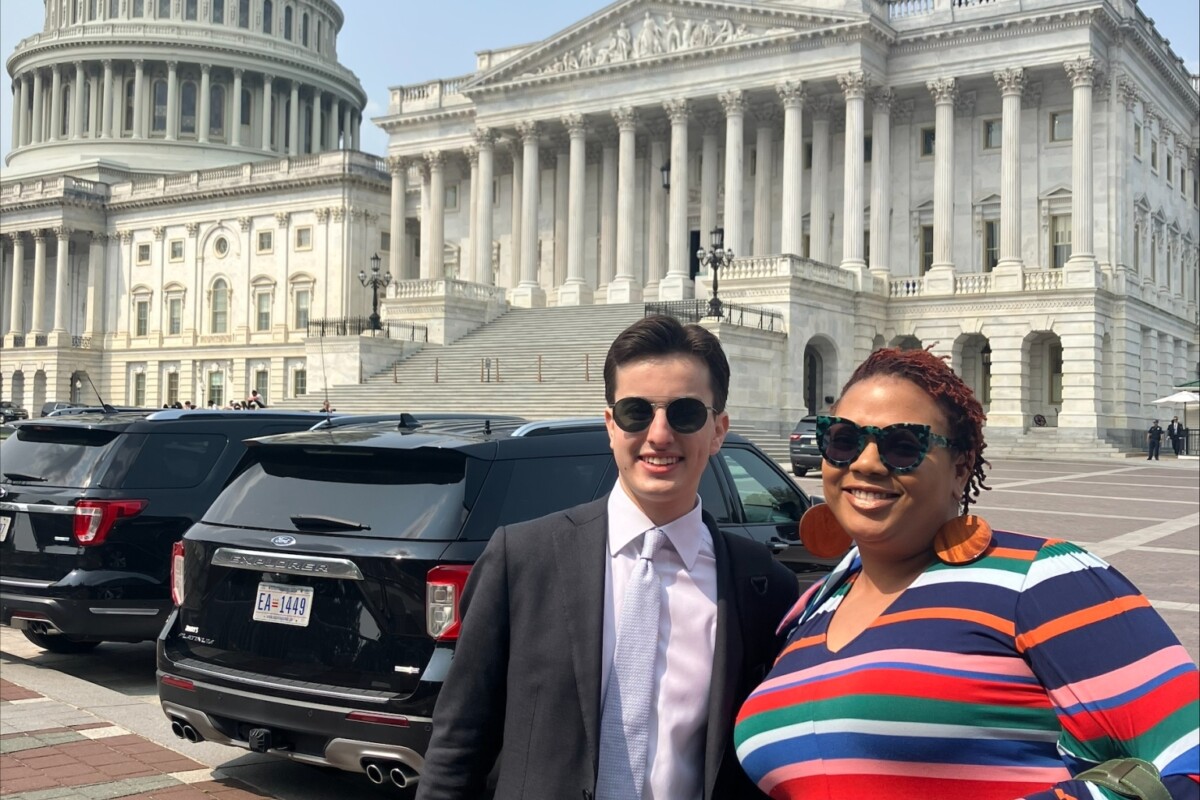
284, 541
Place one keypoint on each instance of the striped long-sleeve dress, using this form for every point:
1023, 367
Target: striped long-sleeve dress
999, 679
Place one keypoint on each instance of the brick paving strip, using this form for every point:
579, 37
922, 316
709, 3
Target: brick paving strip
51, 750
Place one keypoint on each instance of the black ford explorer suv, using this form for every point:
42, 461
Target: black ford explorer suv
318, 597
90, 505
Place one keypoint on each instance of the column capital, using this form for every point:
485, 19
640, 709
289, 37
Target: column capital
792, 93
1082, 71
710, 121
56, 69
244, 223
677, 110
819, 107
435, 159
106, 63
205, 69
78, 64
471, 154
766, 115
944, 90
397, 165
657, 127
1010, 81
99, 237
733, 101
192, 229
964, 104
39, 235
172, 66
1128, 92
139, 63
576, 125
485, 138
238, 72
529, 131
626, 118
159, 232
126, 235
884, 99
855, 84
282, 219
62, 232
322, 214
268, 78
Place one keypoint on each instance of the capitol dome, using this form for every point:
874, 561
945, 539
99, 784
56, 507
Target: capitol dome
174, 85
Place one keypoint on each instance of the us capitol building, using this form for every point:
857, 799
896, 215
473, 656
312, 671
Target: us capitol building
1011, 184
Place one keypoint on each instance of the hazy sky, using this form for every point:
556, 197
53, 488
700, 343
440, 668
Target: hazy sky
394, 42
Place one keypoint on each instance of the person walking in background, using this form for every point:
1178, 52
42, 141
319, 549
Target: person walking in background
941, 659
1154, 440
604, 649
255, 399
1175, 434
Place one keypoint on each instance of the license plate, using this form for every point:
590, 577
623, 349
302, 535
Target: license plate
808, 440
283, 605
5, 524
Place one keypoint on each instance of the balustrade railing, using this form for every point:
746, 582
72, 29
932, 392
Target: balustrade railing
973, 283
81, 343
765, 319
896, 9
1039, 280
19, 340
40, 340
906, 287
356, 326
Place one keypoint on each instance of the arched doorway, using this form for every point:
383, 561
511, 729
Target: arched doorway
907, 342
973, 361
1043, 366
39, 393
820, 374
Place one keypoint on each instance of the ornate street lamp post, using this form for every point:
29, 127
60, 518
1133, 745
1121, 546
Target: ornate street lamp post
714, 259
376, 282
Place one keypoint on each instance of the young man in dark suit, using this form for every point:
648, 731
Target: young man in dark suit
1175, 434
605, 649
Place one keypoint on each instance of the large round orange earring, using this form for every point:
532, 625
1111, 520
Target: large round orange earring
821, 533
962, 540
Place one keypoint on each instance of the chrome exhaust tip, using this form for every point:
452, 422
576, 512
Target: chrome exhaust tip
177, 728
191, 734
375, 773
403, 776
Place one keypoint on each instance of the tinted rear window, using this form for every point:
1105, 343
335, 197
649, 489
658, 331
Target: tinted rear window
407, 494
173, 461
57, 456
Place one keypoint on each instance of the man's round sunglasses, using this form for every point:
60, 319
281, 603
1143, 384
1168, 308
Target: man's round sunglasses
902, 447
684, 414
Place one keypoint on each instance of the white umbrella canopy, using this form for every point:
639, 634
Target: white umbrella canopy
1179, 397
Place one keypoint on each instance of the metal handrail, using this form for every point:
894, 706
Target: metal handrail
356, 326
765, 319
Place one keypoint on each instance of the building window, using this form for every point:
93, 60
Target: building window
247, 104
261, 382
304, 29
187, 108
867, 246
808, 155
143, 254
385, 241
268, 13
320, 34
220, 307
1060, 240
175, 316
139, 389
302, 303
221, 246
299, 383
805, 246
159, 121
129, 101
266, 242
218, 12
172, 394
1137, 250
991, 244
139, 8
993, 134
92, 11
1170, 168
190, 10
926, 248
927, 141
142, 326
1060, 126
177, 249
304, 238
87, 103
216, 389
164, 9
451, 197
1137, 139
243, 13
1183, 181
868, 143
216, 114
1056, 373
1153, 154
262, 303
287, 23
64, 121
1153, 258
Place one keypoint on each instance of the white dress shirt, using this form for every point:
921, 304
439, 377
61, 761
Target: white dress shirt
687, 634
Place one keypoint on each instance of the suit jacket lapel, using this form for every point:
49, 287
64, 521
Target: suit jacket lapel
727, 662
580, 553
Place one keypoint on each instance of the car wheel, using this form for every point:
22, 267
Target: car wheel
60, 643
799, 472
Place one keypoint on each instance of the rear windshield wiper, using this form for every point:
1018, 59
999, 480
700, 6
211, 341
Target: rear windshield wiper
312, 522
20, 476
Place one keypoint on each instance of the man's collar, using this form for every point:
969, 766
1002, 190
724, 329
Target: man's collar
687, 534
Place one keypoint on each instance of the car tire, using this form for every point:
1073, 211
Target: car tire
60, 643
799, 472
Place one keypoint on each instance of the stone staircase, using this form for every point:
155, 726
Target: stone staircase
537, 363
1053, 443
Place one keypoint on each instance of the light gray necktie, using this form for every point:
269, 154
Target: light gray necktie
628, 701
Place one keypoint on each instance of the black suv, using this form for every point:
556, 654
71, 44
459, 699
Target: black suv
10, 411
802, 446
318, 597
90, 505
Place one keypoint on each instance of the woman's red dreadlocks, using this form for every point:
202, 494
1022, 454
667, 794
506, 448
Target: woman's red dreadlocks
948, 390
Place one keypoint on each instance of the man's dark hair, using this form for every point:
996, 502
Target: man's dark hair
655, 336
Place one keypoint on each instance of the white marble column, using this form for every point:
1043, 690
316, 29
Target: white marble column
436, 160
1082, 72
355, 125
766, 116
77, 101
710, 128
656, 240
398, 167
16, 317
626, 287
139, 99
678, 285
93, 110
1012, 84
818, 220
347, 126
426, 262
854, 86
56, 105
734, 103
315, 144
485, 141
881, 180
792, 221
608, 209
268, 94
15, 119
235, 121
97, 249
37, 325
172, 101
293, 145
38, 99
467, 261
61, 265
944, 91
528, 294
22, 120
562, 188
205, 103
575, 291
516, 223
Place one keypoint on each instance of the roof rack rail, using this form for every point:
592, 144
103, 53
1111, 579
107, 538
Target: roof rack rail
563, 425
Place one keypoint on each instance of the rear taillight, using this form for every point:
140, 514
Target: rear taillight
378, 718
178, 683
95, 518
795, 437
177, 573
443, 592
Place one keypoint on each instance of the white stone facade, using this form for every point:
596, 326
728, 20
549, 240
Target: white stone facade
1014, 186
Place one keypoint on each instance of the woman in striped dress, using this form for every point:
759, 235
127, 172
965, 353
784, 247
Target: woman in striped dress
941, 659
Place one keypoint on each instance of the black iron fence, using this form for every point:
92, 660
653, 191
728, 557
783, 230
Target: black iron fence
764, 319
1190, 441
356, 326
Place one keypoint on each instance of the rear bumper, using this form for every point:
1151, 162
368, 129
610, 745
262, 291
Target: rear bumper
85, 618
806, 459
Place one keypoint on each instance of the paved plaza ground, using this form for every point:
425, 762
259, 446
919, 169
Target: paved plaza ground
90, 726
